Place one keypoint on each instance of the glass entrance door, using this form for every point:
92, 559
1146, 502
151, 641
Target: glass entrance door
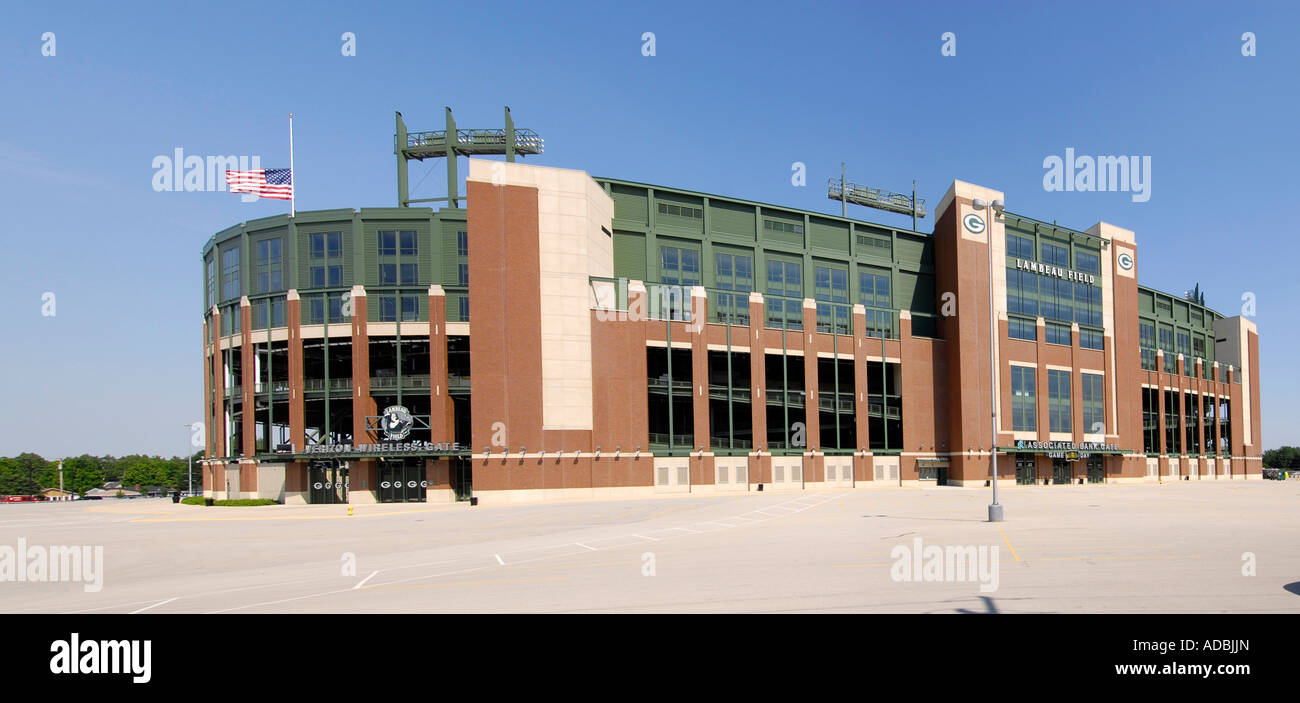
327, 483
1060, 471
462, 478
1096, 470
1025, 472
402, 481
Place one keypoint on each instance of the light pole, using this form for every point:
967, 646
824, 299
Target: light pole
190, 461
995, 508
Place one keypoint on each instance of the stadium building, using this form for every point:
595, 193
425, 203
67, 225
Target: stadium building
549, 335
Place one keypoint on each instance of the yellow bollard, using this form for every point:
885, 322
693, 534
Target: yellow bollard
349, 511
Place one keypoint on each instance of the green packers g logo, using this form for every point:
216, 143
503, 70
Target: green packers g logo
1125, 261
974, 223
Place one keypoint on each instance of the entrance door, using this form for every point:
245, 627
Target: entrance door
1025, 472
402, 481
1060, 471
328, 482
462, 478
1096, 470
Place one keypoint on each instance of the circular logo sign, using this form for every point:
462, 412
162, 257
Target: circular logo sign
424, 484
396, 422
385, 484
317, 485
410, 484
1126, 261
974, 223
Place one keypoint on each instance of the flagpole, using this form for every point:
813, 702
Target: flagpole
293, 190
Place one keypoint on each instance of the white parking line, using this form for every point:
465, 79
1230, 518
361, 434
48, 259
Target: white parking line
363, 581
155, 605
498, 556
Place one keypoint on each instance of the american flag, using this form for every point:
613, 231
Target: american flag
274, 183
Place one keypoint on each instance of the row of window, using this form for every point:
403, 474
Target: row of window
1053, 298
1051, 254
1185, 423
1054, 333
1024, 404
1174, 341
326, 263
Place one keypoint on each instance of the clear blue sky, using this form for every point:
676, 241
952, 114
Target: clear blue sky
734, 96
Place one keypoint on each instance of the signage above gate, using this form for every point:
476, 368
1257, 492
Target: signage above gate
385, 449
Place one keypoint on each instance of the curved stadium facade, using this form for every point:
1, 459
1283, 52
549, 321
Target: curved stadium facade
561, 336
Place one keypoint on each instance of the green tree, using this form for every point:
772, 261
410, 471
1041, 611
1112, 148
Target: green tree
82, 473
13, 480
1285, 457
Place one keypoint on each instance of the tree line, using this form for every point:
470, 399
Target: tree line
1282, 458
28, 473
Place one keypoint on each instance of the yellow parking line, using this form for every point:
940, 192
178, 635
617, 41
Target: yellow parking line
1004, 538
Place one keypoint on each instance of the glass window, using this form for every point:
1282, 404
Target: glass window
1091, 339
230, 273
679, 266
1024, 414
1055, 254
1058, 389
410, 274
1094, 416
1087, 262
407, 243
873, 290
1020, 247
1058, 334
387, 243
1018, 328
387, 274
212, 280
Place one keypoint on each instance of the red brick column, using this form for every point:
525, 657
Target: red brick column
759, 467
442, 415
297, 403
862, 463
218, 404
362, 404
247, 378
1218, 439
1160, 410
811, 413
207, 390
701, 464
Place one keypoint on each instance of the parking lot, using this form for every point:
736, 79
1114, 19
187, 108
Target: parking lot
1191, 547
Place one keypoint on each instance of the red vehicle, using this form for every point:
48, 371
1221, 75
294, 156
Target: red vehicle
22, 499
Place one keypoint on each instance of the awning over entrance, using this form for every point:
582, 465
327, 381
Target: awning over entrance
1064, 450
383, 450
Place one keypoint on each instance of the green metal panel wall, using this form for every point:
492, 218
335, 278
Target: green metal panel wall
629, 255
829, 235
731, 218
675, 220
630, 204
